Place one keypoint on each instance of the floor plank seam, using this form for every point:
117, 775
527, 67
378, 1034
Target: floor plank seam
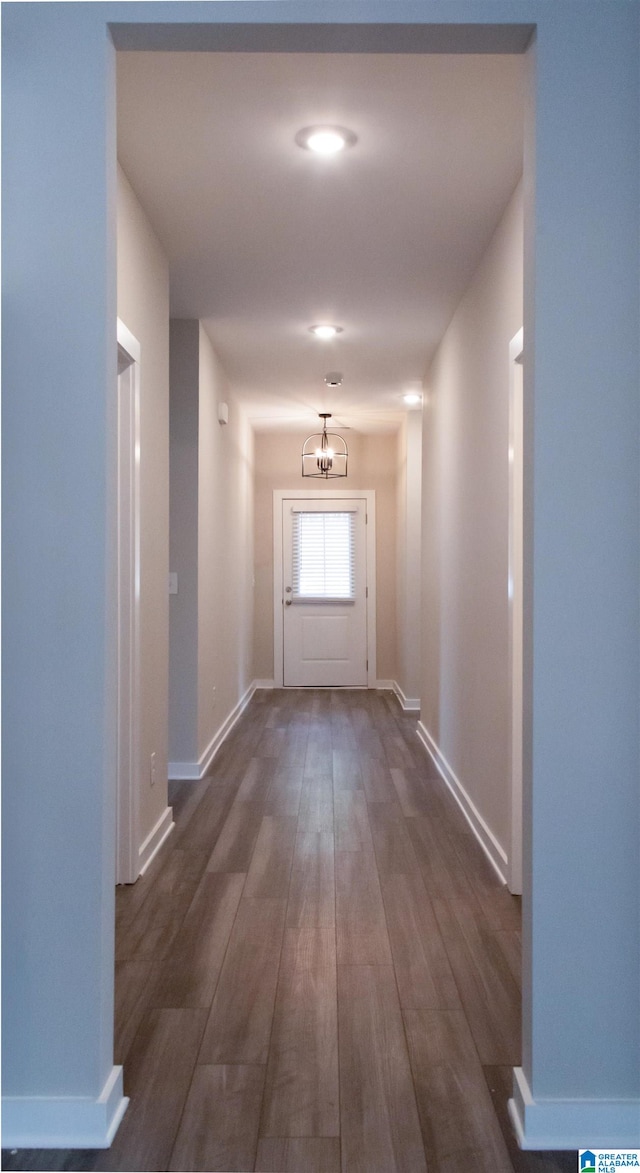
273, 1012
184, 1107
335, 939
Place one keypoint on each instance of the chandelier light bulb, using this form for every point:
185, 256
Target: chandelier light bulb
324, 459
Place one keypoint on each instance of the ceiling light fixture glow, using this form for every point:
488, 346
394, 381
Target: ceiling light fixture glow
325, 331
412, 399
325, 140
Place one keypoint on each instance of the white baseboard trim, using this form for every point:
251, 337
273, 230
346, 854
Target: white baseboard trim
223, 732
572, 1124
155, 839
487, 840
194, 771
64, 1122
410, 704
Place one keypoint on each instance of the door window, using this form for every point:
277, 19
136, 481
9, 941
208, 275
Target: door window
323, 550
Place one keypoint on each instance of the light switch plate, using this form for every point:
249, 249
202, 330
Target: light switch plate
173, 582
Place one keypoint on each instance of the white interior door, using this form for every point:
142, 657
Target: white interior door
325, 592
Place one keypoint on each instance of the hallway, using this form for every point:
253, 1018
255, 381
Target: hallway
321, 971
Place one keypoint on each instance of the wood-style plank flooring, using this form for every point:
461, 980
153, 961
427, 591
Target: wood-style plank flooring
320, 973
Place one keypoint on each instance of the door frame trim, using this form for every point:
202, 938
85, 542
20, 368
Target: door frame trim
516, 617
127, 815
280, 495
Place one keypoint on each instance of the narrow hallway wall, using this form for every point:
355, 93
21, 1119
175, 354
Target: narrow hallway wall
409, 553
465, 675
225, 552
211, 552
183, 540
143, 306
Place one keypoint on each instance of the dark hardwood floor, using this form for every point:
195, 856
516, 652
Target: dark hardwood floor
320, 973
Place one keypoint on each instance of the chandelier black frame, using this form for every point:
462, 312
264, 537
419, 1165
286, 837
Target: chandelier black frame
324, 459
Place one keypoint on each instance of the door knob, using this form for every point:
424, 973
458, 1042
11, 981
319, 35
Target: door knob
288, 602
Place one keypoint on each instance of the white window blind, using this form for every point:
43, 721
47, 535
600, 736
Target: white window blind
323, 555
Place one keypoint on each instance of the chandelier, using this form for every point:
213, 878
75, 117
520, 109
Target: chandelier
324, 454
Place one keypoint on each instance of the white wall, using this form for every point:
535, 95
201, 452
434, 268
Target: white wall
580, 999
59, 546
143, 306
373, 464
211, 551
582, 533
225, 551
409, 559
183, 534
465, 679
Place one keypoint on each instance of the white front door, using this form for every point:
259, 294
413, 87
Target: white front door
325, 592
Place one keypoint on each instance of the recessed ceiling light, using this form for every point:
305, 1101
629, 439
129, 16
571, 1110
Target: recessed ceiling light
412, 399
325, 332
325, 140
